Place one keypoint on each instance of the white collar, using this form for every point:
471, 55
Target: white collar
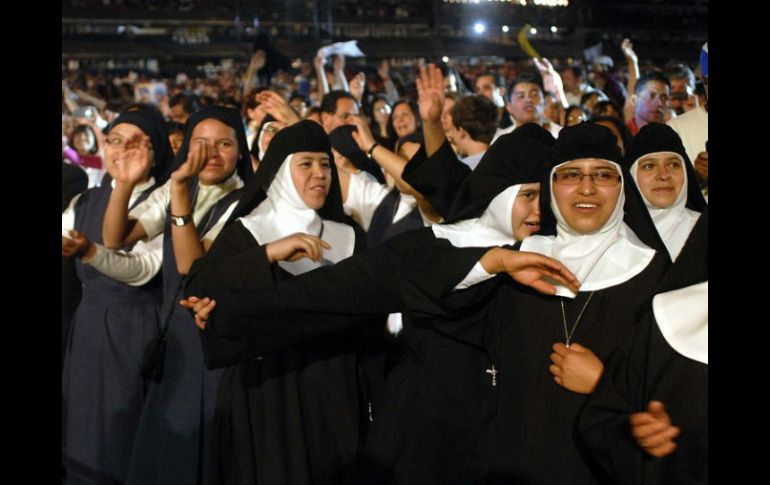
493, 228
208, 195
606, 258
284, 213
682, 316
673, 223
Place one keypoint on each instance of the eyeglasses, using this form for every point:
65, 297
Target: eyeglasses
272, 129
602, 178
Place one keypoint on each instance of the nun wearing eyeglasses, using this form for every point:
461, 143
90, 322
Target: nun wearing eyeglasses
102, 391
189, 210
594, 223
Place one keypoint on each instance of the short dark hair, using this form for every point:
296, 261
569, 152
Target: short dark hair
587, 95
497, 79
648, 76
625, 134
477, 115
329, 101
526, 77
681, 71
304, 97
174, 127
577, 71
189, 104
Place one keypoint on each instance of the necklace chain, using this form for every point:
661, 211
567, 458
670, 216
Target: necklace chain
568, 335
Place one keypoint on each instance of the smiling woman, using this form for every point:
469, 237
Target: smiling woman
311, 174
586, 192
659, 165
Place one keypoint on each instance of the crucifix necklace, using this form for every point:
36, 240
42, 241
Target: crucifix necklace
494, 373
568, 334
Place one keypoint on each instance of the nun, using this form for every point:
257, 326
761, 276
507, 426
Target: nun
666, 179
102, 390
647, 420
172, 443
287, 412
594, 224
428, 427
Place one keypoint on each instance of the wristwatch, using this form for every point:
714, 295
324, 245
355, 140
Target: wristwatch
181, 220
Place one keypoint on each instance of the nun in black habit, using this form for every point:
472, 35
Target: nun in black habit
172, 441
102, 390
667, 362
661, 170
594, 223
286, 413
427, 430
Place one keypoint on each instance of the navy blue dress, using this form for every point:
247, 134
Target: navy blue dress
173, 444
102, 390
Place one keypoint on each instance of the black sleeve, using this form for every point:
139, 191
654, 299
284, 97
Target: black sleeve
235, 262
438, 177
604, 423
73, 181
413, 271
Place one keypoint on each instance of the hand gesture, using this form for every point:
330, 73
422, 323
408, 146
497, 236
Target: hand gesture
134, 161
530, 269
296, 246
551, 79
339, 62
202, 308
653, 430
363, 135
701, 165
575, 368
430, 89
384, 70
628, 50
77, 244
357, 85
200, 151
276, 106
318, 62
257, 61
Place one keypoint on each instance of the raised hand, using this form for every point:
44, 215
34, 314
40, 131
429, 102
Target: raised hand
430, 89
296, 246
134, 161
575, 368
199, 153
258, 60
276, 106
628, 50
363, 135
551, 79
653, 430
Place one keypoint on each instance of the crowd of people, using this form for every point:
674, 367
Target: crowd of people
462, 273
